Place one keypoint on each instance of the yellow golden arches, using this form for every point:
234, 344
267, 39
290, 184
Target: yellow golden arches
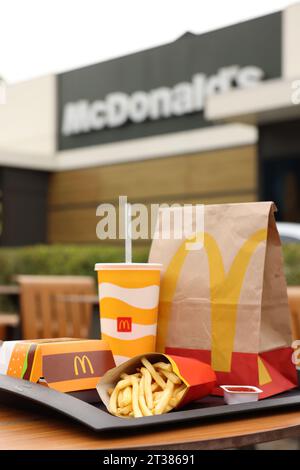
224, 292
171, 276
82, 361
224, 303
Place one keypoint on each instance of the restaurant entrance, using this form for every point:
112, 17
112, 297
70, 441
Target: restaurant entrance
23, 206
279, 162
281, 183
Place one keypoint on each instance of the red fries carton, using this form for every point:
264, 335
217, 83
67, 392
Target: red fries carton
198, 377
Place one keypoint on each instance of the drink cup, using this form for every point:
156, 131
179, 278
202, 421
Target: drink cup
128, 299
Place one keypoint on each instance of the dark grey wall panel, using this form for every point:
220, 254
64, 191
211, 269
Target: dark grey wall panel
24, 206
256, 42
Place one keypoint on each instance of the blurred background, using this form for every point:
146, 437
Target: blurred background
173, 102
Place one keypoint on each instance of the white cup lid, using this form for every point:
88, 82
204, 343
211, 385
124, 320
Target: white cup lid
125, 266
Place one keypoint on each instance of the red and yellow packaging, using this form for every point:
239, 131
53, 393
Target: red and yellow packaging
128, 296
198, 376
64, 364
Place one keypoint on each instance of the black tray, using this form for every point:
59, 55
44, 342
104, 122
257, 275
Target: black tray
97, 418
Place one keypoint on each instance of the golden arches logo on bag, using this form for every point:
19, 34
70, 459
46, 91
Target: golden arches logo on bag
225, 289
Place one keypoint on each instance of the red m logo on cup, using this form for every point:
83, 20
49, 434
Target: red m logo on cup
124, 324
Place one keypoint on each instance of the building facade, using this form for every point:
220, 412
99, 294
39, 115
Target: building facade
209, 118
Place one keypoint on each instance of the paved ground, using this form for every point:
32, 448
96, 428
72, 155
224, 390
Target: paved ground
283, 444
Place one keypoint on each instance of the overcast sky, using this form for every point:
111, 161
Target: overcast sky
38, 37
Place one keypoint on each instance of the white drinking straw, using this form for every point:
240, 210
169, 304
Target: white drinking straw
128, 240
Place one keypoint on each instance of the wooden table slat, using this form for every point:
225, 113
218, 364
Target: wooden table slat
20, 429
9, 319
9, 290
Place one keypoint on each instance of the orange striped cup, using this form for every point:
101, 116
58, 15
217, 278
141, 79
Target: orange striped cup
128, 298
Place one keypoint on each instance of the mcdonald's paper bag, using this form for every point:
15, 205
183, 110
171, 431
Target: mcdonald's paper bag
64, 364
198, 377
225, 302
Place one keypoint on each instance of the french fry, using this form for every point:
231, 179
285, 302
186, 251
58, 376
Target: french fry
179, 389
147, 379
179, 395
145, 410
174, 402
135, 398
152, 389
126, 396
120, 399
124, 383
157, 395
125, 376
171, 376
125, 410
164, 400
163, 366
113, 401
155, 375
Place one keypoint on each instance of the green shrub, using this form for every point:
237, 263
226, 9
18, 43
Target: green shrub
57, 260
60, 259
291, 255
80, 260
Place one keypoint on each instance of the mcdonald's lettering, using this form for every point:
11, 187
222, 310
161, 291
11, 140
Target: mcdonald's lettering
83, 361
124, 324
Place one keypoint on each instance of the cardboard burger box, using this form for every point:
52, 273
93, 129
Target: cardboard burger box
64, 364
198, 377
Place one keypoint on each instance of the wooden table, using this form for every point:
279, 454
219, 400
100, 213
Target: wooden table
20, 429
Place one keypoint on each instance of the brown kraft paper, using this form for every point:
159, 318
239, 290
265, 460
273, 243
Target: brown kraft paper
226, 302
